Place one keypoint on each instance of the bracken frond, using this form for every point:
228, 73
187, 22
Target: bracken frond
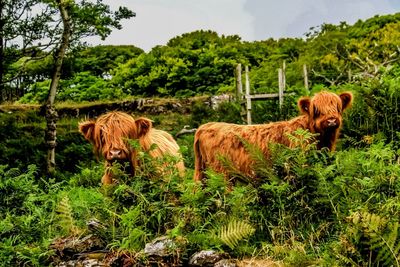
234, 232
65, 215
382, 236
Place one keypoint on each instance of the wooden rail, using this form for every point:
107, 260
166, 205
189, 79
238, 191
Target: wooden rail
245, 99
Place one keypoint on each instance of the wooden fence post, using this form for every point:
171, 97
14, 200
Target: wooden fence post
284, 75
248, 97
239, 86
281, 87
305, 75
239, 90
349, 75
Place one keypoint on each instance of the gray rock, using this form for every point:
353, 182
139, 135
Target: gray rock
226, 263
216, 100
161, 247
206, 258
82, 263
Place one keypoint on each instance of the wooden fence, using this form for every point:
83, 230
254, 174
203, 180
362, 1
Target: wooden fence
245, 99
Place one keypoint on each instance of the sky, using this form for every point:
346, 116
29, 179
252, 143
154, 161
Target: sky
158, 21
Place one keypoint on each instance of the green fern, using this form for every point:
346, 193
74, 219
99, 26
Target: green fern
390, 254
382, 236
234, 232
65, 216
261, 165
303, 139
216, 182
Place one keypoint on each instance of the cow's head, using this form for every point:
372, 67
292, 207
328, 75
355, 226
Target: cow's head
325, 110
110, 132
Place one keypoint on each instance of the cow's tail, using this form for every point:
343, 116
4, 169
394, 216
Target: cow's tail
198, 159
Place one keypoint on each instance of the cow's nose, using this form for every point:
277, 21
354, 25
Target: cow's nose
115, 153
332, 122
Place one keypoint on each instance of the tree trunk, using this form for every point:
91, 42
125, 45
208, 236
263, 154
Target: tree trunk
1, 51
51, 112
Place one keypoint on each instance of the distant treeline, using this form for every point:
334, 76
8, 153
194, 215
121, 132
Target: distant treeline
202, 62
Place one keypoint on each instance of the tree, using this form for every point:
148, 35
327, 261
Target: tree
326, 54
21, 25
102, 59
79, 20
194, 63
377, 51
64, 7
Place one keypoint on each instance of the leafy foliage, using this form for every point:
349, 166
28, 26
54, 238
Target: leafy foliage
202, 62
66, 219
381, 235
306, 207
235, 231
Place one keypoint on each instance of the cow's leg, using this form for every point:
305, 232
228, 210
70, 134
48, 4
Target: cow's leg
107, 177
198, 160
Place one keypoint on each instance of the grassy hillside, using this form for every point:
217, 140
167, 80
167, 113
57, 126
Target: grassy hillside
308, 207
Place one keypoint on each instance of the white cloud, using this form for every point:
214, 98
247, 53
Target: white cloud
158, 21
293, 18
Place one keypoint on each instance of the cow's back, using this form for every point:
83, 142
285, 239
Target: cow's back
216, 140
165, 145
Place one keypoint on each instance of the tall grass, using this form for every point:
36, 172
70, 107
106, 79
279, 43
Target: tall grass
310, 208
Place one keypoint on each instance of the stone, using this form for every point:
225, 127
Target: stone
206, 258
160, 247
226, 263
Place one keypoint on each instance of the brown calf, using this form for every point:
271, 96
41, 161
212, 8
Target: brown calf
109, 135
321, 114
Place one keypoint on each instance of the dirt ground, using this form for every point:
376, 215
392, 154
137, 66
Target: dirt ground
259, 263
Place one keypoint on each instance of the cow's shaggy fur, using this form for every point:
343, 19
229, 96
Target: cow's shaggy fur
321, 114
109, 135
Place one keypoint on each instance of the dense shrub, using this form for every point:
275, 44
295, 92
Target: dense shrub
22, 142
376, 109
26, 218
308, 206
21, 137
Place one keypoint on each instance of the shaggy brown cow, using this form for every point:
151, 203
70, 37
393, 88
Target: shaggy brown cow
321, 114
109, 135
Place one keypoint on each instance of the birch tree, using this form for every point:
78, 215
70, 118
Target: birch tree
73, 21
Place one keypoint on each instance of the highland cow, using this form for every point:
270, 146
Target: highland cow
110, 133
321, 114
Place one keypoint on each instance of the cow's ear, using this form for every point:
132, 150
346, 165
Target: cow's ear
143, 126
347, 99
304, 105
87, 129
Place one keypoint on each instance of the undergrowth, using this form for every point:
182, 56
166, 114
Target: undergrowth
307, 207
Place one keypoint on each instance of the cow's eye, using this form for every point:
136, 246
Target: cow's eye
316, 113
339, 109
102, 138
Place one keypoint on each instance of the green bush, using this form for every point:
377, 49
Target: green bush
87, 87
26, 218
375, 110
22, 142
37, 93
21, 139
307, 206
